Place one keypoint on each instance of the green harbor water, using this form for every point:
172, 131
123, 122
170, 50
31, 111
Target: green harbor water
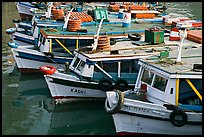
27, 106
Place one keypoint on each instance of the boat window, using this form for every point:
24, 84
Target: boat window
81, 65
129, 66
160, 83
107, 66
186, 93
76, 62
147, 77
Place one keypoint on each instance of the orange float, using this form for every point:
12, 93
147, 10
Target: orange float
47, 70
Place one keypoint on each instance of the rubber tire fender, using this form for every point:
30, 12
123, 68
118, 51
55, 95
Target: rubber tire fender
178, 123
119, 104
121, 84
134, 36
105, 84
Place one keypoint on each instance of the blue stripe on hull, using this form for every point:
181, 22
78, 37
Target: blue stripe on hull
42, 58
24, 40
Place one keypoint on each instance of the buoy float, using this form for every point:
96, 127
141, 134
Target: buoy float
10, 31
47, 70
13, 45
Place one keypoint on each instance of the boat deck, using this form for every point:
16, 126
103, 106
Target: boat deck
128, 49
189, 56
115, 28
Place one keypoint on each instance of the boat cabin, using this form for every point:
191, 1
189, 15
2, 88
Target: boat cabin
170, 82
120, 62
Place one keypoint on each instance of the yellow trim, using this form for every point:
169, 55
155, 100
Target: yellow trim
177, 91
194, 89
50, 45
63, 46
77, 43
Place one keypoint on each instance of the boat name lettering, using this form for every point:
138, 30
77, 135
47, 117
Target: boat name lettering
136, 108
78, 91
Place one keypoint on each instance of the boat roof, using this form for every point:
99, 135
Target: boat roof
190, 56
107, 28
133, 50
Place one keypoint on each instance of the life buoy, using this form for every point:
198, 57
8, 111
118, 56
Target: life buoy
47, 70
10, 31
134, 36
121, 84
178, 122
119, 104
105, 84
13, 45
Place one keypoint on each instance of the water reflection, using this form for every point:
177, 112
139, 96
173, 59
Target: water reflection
29, 109
80, 118
22, 104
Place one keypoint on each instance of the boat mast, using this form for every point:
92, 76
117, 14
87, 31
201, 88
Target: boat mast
48, 13
183, 34
67, 19
97, 35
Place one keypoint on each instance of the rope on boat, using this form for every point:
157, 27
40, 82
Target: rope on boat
74, 25
103, 43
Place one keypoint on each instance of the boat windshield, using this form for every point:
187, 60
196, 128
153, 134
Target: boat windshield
147, 77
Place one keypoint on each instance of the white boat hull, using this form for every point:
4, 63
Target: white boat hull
24, 10
31, 63
140, 117
139, 125
63, 91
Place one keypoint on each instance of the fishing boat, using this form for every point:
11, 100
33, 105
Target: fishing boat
55, 42
24, 9
167, 98
29, 33
91, 74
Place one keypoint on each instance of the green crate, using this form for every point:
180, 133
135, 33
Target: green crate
154, 36
99, 13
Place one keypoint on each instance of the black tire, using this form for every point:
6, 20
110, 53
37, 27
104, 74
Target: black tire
105, 84
112, 41
119, 104
121, 84
174, 121
134, 36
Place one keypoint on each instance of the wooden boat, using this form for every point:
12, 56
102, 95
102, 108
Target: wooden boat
24, 9
167, 98
91, 74
58, 41
28, 33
